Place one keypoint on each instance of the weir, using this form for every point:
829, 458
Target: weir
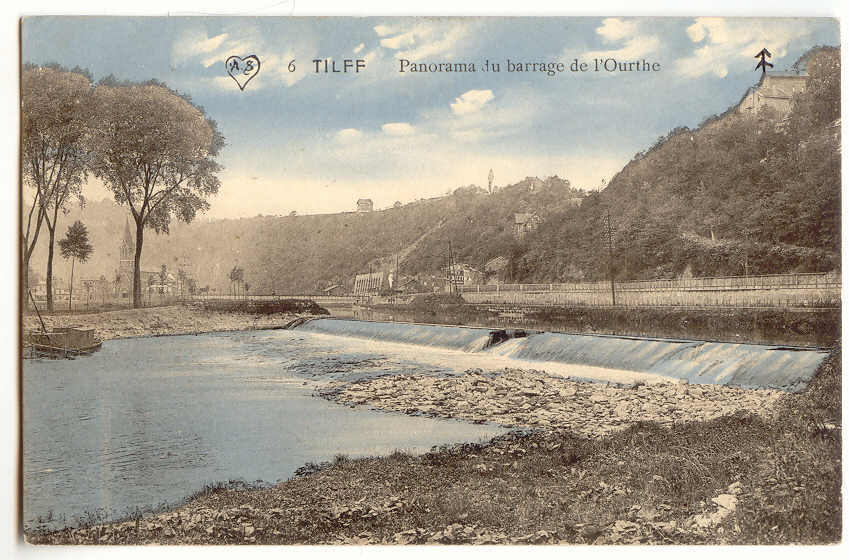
723, 363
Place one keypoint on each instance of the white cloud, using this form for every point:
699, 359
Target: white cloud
196, 47
636, 47
626, 33
722, 42
472, 101
398, 129
348, 135
192, 43
399, 41
424, 37
613, 29
382, 30
359, 47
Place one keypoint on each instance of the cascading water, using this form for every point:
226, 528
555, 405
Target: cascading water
744, 365
455, 338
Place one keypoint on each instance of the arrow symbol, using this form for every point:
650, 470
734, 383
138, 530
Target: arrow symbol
763, 63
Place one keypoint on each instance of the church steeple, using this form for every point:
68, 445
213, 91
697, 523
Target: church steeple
128, 246
128, 236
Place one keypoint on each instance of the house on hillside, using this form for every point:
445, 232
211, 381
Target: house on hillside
775, 90
524, 223
371, 283
461, 274
365, 205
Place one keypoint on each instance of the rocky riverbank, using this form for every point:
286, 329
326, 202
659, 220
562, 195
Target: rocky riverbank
519, 398
158, 321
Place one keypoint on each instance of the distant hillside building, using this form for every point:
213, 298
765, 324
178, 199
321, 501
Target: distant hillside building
524, 223
775, 91
365, 205
462, 274
371, 283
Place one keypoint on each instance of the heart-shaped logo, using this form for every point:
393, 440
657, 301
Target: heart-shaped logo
242, 70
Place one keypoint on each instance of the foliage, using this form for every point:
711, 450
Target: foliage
76, 244
742, 194
56, 111
156, 152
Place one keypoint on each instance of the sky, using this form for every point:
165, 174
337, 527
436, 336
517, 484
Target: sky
316, 142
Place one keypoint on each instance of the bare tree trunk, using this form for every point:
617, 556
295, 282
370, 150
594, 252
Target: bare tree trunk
24, 285
137, 293
71, 285
49, 278
28, 246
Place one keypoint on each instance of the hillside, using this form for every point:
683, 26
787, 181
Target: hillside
739, 194
305, 253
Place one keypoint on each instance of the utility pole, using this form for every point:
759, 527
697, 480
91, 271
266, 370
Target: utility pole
450, 271
610, 258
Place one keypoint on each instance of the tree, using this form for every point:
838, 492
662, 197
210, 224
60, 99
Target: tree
155, 151
55, 117
236, 275
29, 237
75, 246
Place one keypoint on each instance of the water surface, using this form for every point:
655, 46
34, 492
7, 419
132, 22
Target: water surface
148, 421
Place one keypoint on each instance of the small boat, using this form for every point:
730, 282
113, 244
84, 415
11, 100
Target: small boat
63, 342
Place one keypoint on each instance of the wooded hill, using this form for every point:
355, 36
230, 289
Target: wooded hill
739, 194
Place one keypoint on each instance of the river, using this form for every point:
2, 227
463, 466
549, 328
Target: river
145, 422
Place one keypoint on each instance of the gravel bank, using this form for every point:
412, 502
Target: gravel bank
520, 398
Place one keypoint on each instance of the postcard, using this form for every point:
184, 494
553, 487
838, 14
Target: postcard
430, 280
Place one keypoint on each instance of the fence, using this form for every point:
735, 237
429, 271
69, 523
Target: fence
778, 290
318, 298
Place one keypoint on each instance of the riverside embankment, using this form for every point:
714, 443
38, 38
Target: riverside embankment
160, 321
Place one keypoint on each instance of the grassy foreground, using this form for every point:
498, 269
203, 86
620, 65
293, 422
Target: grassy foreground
736, 479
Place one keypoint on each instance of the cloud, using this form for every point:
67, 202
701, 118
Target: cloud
722, 43
422, 38
398, 129
382, 30
472, 101
359, 47
196, 47
615, 30
192, 43
348, 135
636, 47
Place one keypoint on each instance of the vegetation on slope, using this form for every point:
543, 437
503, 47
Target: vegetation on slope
741, 194
738, 195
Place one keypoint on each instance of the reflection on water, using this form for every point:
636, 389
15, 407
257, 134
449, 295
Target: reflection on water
151, 420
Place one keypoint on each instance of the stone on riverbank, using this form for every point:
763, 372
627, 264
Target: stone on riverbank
535, 399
